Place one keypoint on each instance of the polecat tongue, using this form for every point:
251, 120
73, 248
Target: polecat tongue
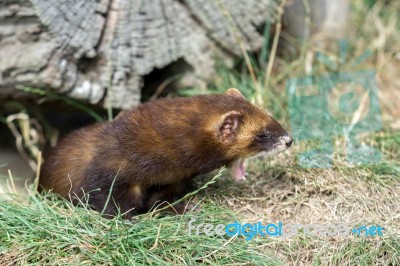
238, 170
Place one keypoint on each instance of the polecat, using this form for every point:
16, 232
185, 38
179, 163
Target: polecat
150, 153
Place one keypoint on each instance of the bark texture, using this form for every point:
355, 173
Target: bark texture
99, 50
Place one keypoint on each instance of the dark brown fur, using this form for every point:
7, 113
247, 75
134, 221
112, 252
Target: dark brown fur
152, 151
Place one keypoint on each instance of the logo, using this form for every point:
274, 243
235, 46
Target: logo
249, 231
335, 104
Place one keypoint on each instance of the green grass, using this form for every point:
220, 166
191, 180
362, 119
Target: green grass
51, 231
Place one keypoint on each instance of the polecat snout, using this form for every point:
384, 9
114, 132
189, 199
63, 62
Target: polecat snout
150, 153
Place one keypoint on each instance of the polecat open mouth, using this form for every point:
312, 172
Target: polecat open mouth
238, 170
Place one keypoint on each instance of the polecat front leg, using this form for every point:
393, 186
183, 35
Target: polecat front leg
162, 196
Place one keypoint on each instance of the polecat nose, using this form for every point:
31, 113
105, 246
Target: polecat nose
289, 141
286, 140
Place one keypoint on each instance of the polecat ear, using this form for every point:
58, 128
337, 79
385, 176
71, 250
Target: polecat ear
229, 125
234, 92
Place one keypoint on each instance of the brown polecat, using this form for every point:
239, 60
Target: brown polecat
150, 153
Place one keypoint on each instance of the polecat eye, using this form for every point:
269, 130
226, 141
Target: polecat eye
264, 135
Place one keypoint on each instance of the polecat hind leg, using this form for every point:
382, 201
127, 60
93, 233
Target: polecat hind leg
126, 199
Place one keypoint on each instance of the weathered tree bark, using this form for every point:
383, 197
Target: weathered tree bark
99, 50
318, 21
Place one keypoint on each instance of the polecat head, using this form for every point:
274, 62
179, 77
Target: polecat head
248, 131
